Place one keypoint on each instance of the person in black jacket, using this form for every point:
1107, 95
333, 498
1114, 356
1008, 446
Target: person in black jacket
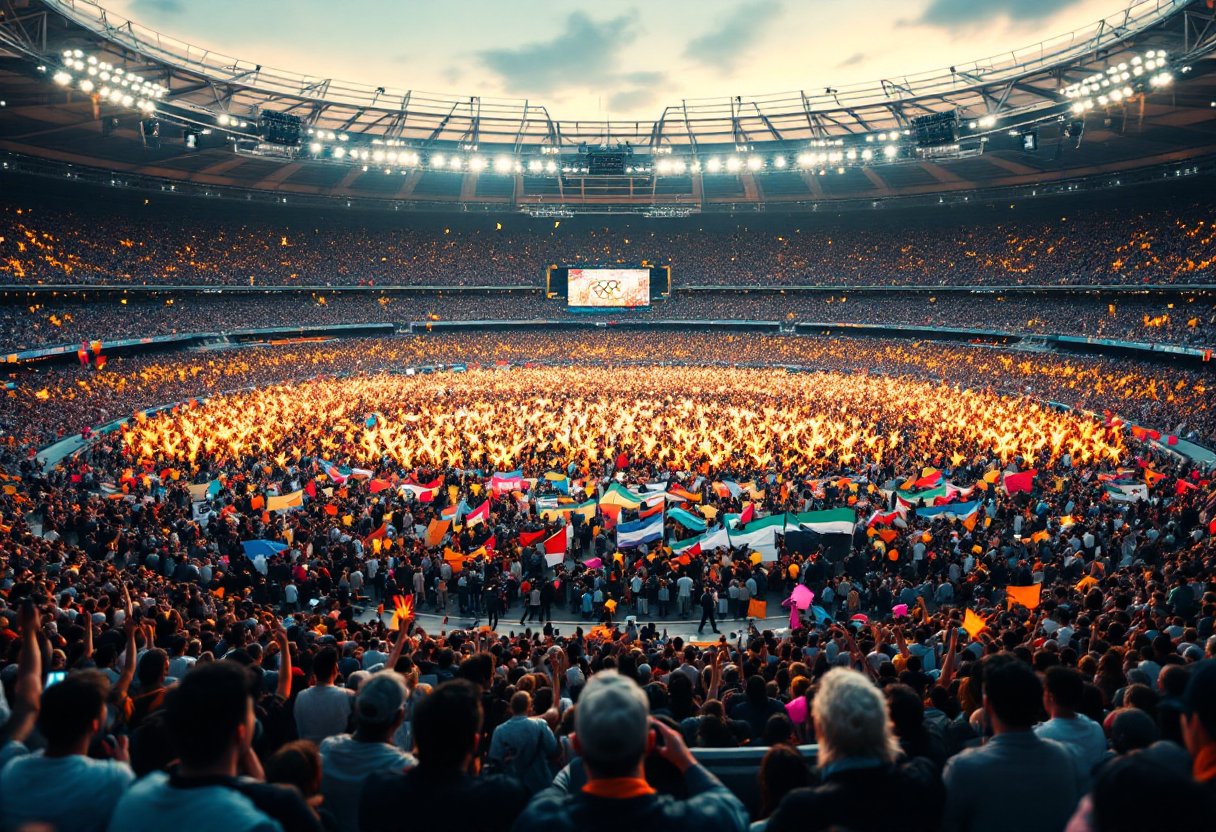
439, 793
857, 754
613, 735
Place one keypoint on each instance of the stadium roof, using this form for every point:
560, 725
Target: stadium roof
1040, 114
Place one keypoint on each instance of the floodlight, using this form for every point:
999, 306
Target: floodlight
502, 164
733, 164
315, 147
890, 150
438, 161
714, 165
62, 78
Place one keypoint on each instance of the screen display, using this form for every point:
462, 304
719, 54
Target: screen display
608, 287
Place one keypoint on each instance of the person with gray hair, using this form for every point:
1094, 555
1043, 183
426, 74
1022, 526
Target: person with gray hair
613, 734
857, 760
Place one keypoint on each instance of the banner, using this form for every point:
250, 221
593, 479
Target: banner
832, 521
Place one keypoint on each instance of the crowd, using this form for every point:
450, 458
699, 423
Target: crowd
51, 402
117, 239
30, 323
1013, 628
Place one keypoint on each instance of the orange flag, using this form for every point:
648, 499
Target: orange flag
1027, 596
973, 624
757, 609
436, 530
1152, 477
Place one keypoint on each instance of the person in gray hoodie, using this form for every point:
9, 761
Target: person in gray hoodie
347, 760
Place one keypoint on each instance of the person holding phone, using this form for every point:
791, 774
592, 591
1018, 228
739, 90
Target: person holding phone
61, 785
613, 734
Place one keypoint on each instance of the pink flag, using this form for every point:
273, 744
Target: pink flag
593, 563
900, 610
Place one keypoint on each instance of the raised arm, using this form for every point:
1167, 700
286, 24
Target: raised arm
948, 664
398, 646
128, 667
28, 692
280, 638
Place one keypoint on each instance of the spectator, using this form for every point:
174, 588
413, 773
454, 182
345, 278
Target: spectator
857, 760
977, 780
440, 791
782, 770
349, 760
324, 709
1199, 722
210, 718
524, 747
756, 706
62, 785
1063, 689
613, 735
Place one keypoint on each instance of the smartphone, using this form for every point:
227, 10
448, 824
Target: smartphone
55, 677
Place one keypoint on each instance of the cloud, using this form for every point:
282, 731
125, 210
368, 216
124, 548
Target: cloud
641, 88
960, 14
584, 52
723, 47
161, 6
852, 60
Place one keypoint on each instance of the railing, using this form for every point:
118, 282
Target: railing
682, 124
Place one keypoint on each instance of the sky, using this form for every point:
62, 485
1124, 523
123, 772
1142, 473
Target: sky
620, 59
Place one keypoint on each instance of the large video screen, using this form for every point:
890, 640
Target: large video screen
608, 287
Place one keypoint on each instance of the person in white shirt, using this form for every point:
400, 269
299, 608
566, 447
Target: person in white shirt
1063, 691
61, 786
324, 710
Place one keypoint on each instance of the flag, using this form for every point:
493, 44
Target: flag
1127, 493
423, 493
1151, 477
686, 545
556, 543
435, 531
639, 531
1027, 596
760, 536
886, 518
959, 511
376, 486
617, 495
1085, 583
748, 514
277, 502
311, 489
900, 610
688, 520
378, 534
717, 539
831, 521
507, 481
204, 490
929, 480
973, 624
1022, 481
263, 548
530, 538
100, 363
757, 609
481, 514
1183, 486
650, 511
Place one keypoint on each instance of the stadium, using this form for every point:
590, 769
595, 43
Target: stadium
898, 386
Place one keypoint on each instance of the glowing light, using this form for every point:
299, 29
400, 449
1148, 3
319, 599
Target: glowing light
502, 164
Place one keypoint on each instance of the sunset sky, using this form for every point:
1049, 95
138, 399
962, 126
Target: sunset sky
624, 60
